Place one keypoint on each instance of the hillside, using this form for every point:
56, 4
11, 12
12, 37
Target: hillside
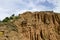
43, 25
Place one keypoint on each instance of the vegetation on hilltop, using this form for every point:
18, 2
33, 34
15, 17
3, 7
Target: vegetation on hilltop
7, 19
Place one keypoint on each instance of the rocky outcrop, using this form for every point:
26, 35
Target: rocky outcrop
44, 25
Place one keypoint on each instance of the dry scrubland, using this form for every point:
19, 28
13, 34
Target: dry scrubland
44, 25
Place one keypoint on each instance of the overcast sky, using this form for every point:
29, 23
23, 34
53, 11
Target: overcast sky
9, 7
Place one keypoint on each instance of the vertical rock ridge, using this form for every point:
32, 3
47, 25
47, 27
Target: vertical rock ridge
44, 25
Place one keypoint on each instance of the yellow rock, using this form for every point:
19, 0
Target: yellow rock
1, 33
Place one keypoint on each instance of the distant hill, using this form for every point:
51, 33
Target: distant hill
43, 25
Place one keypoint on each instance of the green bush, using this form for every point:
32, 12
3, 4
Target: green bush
10, 18
6, 19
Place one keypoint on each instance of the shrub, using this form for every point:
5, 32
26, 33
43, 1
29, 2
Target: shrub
6, 19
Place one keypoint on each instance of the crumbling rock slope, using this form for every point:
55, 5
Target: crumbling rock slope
44, 25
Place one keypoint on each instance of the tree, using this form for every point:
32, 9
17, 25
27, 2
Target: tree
6, 19
11, 17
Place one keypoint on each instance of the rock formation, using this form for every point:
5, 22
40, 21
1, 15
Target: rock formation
44, 25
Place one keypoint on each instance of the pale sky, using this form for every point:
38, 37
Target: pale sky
9, 7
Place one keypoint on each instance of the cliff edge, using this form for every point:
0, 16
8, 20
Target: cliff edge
44, 25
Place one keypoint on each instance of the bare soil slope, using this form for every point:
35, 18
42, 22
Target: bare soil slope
44, 25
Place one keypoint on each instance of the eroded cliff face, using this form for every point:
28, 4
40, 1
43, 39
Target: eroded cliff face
44, 25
